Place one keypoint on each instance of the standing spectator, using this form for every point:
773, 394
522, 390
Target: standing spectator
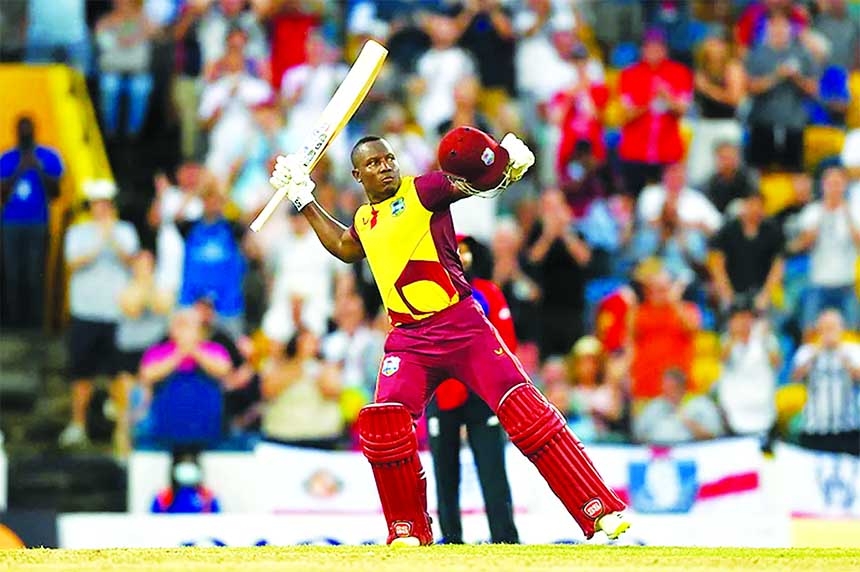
560, 258
655, 94
831, 232
752, 25
438, 71
676, 416
662, 331
187, 82
782, 75
521, 291
831, 370
185, 375
353, 346
215, 264
216, 23
731, 179
97, 253
453, 406
143, 323
174, 204
29, 181
57, 32
186, 493
843, 33
746, 389
720, 85
693, 209
748, 255
485, 30
413, 152
302, 395
237, 48
123, 36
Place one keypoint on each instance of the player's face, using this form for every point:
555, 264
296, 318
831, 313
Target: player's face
377, 170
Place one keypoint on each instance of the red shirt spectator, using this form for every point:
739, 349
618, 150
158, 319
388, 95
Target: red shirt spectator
655, 94
751, 27
289, 32
611, 322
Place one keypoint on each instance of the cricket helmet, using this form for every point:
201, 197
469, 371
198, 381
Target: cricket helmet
471, 155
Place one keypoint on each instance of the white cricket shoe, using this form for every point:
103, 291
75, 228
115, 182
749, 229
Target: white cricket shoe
405, 542
613, 524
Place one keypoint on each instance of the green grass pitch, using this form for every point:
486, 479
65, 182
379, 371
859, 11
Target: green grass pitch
485, 558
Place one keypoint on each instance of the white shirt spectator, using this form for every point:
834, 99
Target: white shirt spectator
831, 401
693, 207
441, 70
169, 243
746, 390
94, 289
359, 354
212, 35
234, 96
833, 255
304, 270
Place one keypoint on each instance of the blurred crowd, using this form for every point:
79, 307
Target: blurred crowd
679, 262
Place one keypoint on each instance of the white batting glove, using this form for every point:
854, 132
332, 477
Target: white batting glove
290, 173
520, 156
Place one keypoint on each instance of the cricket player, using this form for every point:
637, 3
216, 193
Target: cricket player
439, 331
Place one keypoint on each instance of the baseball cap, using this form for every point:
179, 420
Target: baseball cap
654, 35
100, 190
469, 153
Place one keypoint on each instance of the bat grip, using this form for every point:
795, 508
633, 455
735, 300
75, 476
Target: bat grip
269, 209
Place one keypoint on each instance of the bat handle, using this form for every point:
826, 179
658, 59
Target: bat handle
269, 209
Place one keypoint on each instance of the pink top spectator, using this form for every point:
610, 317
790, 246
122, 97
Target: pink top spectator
160, 352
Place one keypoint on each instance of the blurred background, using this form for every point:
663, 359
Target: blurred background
680, 264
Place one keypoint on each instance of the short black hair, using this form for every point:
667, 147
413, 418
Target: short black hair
359, 143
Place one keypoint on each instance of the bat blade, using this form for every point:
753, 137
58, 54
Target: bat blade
337, 113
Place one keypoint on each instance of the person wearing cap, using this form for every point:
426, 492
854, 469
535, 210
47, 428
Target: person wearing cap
454, 406
29, 180
655, 95
98, 255
438, 330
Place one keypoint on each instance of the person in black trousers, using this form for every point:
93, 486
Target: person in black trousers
454, 406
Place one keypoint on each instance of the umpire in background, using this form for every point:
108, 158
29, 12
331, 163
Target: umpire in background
454, 406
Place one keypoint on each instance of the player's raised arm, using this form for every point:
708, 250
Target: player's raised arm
334, 236
477, 165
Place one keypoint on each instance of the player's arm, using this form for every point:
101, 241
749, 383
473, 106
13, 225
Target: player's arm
334, 236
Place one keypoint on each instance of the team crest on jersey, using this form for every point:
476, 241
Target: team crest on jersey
390, 365
398, 206
488, 157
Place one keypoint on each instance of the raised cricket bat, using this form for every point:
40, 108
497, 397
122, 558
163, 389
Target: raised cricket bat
335, 116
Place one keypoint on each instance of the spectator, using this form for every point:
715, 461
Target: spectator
532, 24
521, 291
676, 416
662, 331
612, 318
559, 256
655, 94
843, 33
694, 210
831, 370
746, 389
438, 71
215, 263
752, 26
237, 48
143, 323
186, 493
353, 346
465, 112
731, 179
720, 86
681, 247
13, 36
29, 181
185, 375
215, 25
830, 231
187, 82
598, 401
413, 152
226, 112
782, 75
174, 203
485, 29
97, 254
302, 396
123, 36
580, 113
748, 255
302, 292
